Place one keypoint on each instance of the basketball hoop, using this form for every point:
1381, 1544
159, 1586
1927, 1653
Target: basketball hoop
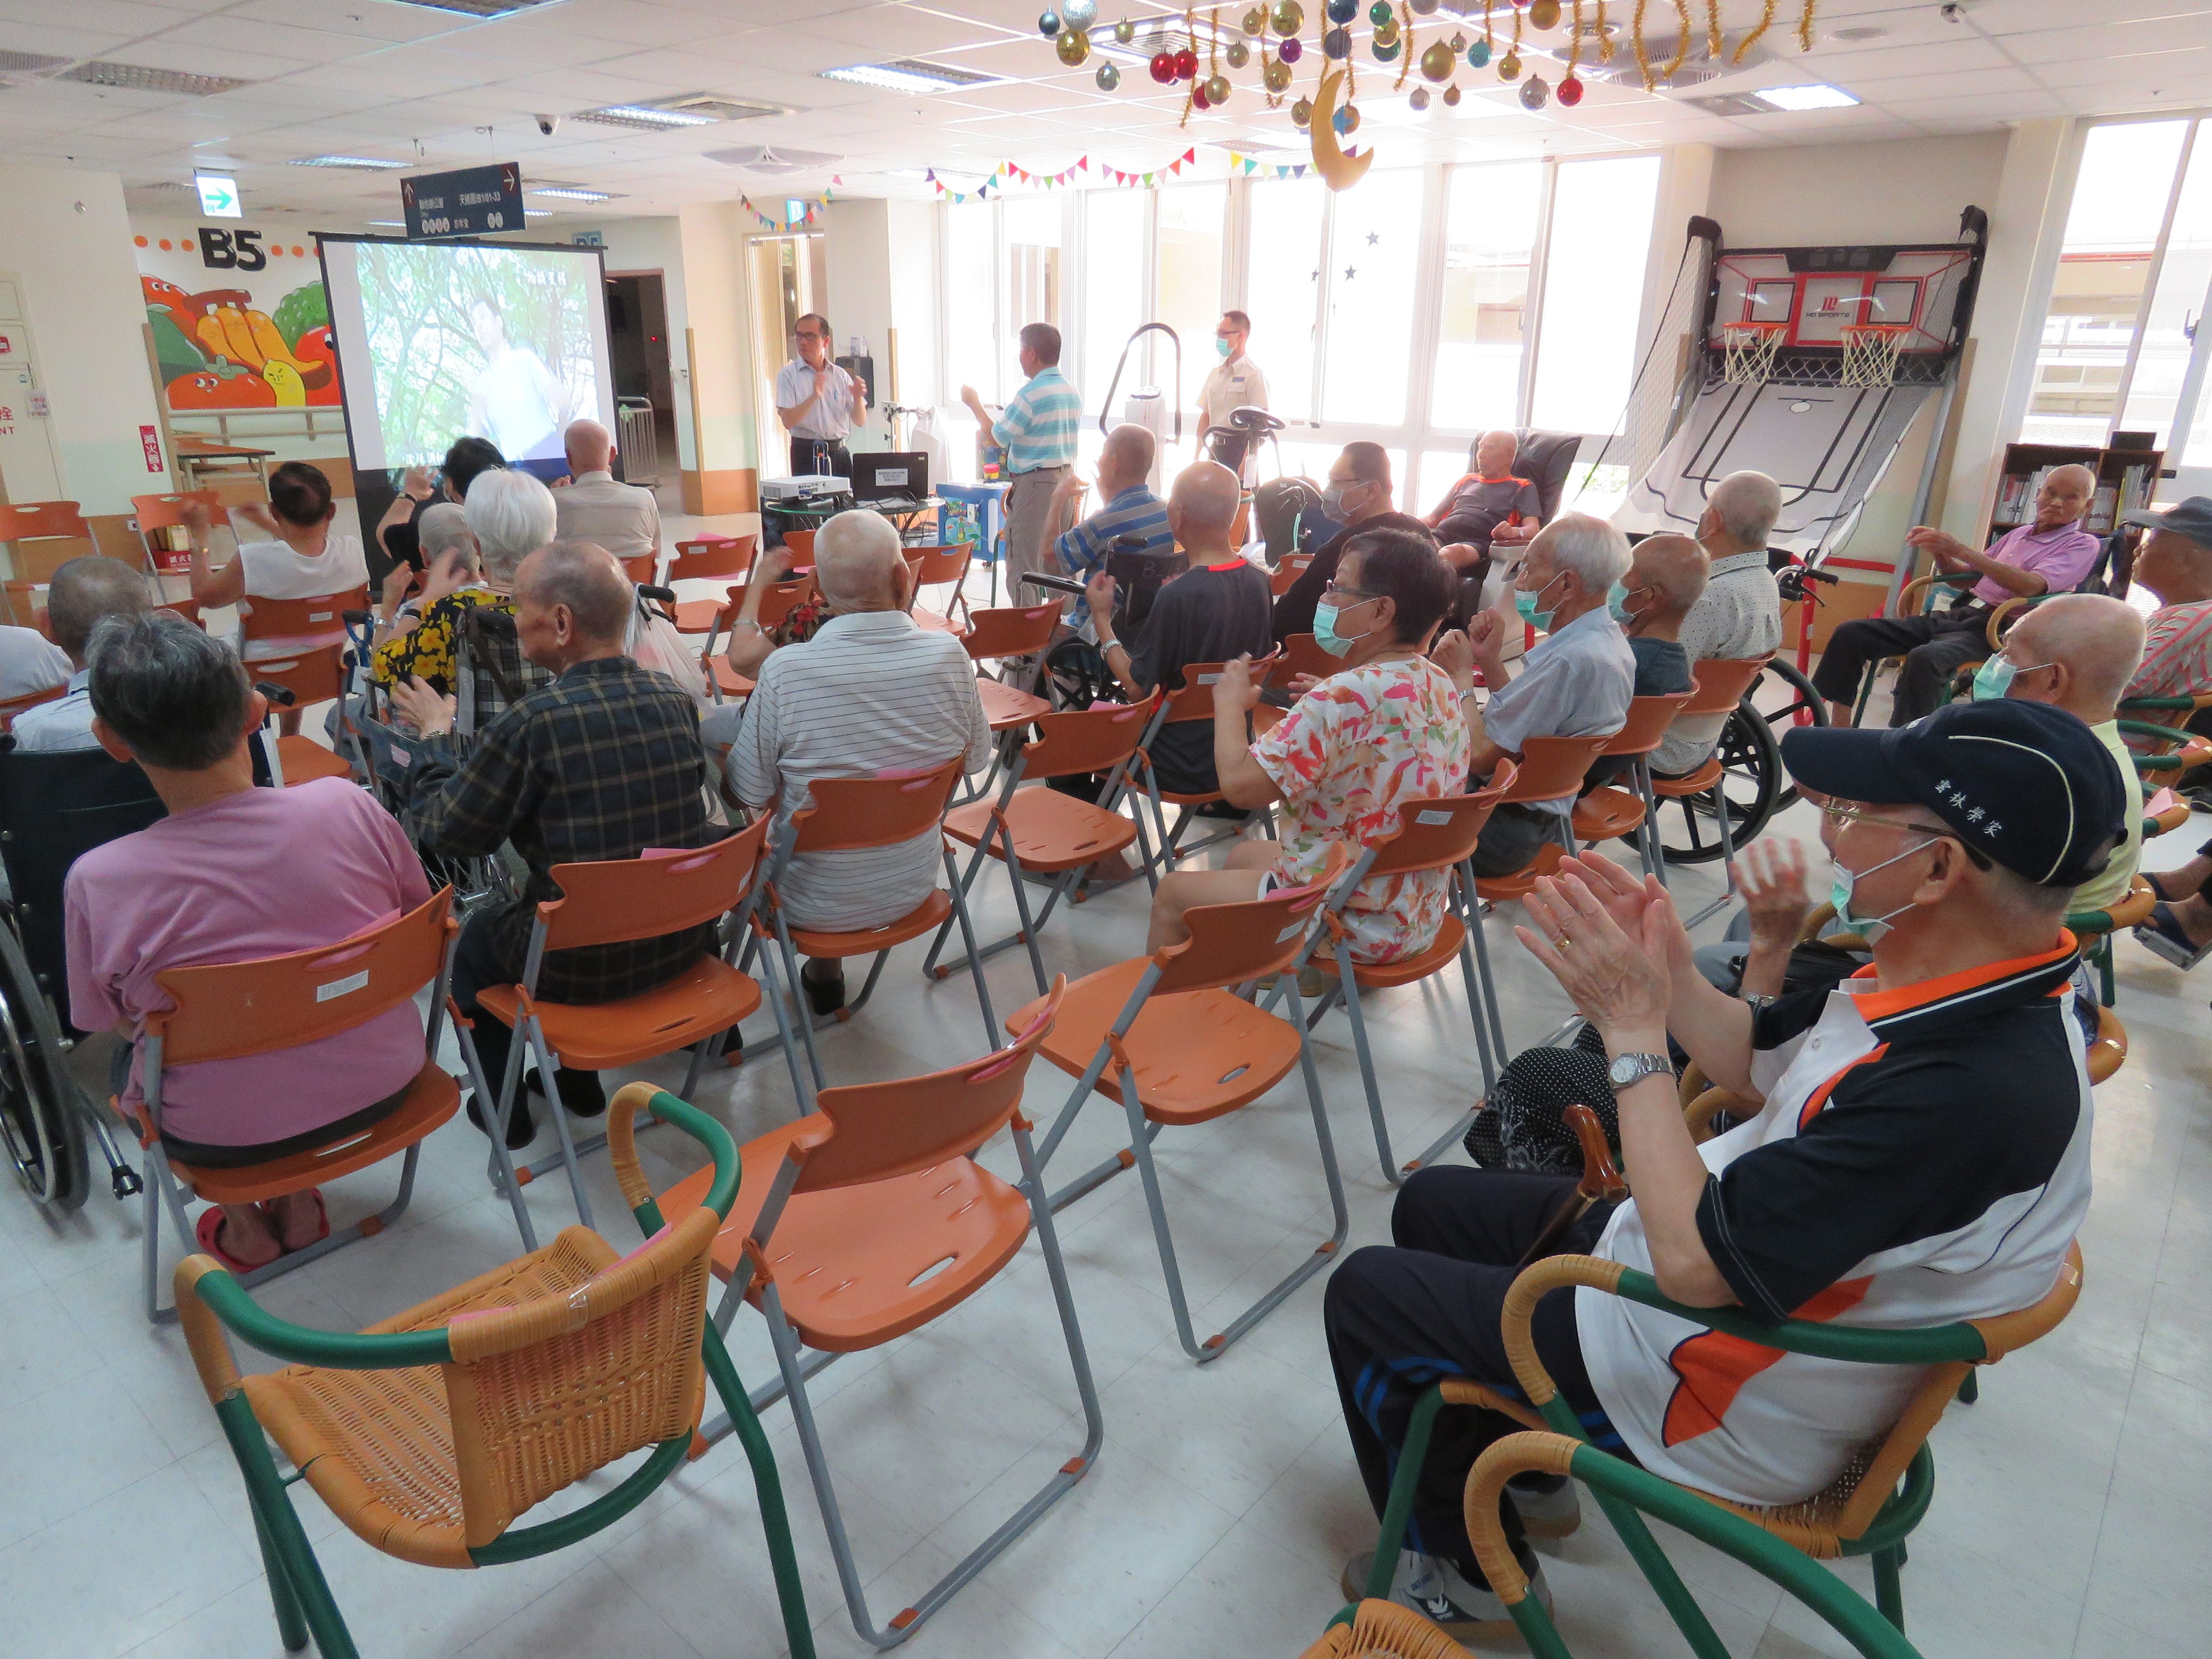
1750, 348
1870, 353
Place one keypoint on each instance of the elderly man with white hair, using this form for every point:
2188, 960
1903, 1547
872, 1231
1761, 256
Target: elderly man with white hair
624, 519
2051, 555
871, 691
1575, 682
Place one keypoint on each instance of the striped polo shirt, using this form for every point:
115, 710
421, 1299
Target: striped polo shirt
1039, 427
1135, 512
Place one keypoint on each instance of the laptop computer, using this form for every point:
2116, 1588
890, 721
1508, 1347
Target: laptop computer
891, 478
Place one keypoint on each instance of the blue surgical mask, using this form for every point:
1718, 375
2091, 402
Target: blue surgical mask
1325, 633
1524, 601
1993, 679
1841, 881
1220, 346
1616, 601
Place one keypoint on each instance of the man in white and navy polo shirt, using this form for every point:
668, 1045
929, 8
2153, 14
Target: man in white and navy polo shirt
1921, 1156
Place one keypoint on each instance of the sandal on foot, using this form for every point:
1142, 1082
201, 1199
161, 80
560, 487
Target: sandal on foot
322, 1221
206, 1229
2163, 935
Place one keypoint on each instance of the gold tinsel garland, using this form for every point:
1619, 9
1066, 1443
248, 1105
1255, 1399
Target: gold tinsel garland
1765, 23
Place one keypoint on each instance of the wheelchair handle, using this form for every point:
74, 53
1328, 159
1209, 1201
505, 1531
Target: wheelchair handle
648, 591
354, 618
1059, 584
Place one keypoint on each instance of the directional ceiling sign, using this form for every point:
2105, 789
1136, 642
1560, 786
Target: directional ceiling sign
218, 195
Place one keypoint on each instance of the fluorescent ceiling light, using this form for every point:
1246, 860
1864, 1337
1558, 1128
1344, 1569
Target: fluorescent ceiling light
354, 163
644, 115
394, 224
1811, 97
477, 8
908, 75
537, 213
137, 77
569, 193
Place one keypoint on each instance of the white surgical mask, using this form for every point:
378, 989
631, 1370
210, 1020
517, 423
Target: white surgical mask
1843, 878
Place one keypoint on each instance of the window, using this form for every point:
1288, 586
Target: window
1594, 269
971, 357
1032, 229
1374, 253
1192, 218
1489, 233
1283, 290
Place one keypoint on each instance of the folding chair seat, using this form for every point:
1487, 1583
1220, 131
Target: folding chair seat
432, 1433
847, 815
941, 567
1192, 701
236, 1009
1017, 634
707, 558
609, 902
1607, 813
1167, 1036
314, 676
1043, 832
1720, 684
834, 1232
1435, 836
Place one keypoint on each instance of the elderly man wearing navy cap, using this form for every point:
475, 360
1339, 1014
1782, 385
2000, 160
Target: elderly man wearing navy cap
1922, 1154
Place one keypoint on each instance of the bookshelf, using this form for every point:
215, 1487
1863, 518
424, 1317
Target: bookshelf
2125, 480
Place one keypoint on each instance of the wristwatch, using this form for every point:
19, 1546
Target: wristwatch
1628, 1070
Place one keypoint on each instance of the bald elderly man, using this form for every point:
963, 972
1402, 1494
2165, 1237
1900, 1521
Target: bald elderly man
1126, 507
624, 519
2051, 555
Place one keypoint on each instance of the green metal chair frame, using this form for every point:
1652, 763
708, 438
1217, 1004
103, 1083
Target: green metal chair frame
1626, 1493
207, 1293
1922, 585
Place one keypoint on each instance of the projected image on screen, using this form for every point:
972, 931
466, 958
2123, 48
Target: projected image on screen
498, 343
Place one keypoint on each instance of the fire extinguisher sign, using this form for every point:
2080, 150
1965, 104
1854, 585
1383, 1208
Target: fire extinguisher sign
152, 439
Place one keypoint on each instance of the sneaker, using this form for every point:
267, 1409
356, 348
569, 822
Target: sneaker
521, 1126
1464, 1609
581, 1093
1549, 1505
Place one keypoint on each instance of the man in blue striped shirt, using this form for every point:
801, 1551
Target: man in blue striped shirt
1037, 431
1127, 508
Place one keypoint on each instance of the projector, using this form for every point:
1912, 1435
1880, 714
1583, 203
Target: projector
805, 486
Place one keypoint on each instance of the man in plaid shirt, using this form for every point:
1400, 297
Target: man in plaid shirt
602, 763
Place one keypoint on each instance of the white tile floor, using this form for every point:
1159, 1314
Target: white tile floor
2071, 1516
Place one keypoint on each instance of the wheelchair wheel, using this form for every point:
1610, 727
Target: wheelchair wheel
42, 1120
1752, 778
1786, 699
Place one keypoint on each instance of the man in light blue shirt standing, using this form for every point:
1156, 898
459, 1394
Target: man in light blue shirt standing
1037, 431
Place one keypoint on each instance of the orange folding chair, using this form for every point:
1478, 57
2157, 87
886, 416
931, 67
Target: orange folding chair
801, 544
1436, 835
1722, 682
707, 558
941, 567
1168, 1036
160, 513
1605, 813
11, 707
311, 676
777, 602
1285, 576
847, 814
301, 623
1301, 653
1044, 832
869, 1218
242, 1008
640, 569
1192, 702
35, 521
608, 902
1012, 632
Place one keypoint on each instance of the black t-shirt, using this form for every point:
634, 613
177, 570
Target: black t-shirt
403, 543
1294, 612
1211, 613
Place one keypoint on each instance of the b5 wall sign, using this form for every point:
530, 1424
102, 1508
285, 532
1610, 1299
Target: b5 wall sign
232, 249
471, 201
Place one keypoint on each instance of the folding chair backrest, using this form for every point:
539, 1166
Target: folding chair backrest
1436, 835
293, 619
28, 520
311, 676
163, 512
612, 900
1553, 767
879, 1131
1011, 631
547, 1391
1645, 727
851, 813
240, 1008
721, 556
1720, 684
1255, 939
778, 600
1286, 575
641, 566
1194, 699
801, 544
11, 707
1301, 653
934, 567
1087, 739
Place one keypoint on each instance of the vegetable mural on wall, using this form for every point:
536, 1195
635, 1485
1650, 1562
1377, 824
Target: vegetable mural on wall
233, 333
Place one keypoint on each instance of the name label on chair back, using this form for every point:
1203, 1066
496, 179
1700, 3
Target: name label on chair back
338, 988
1432, 817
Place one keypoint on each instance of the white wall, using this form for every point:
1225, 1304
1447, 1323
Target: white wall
634, 246
857, 260
1815, 194
64, 233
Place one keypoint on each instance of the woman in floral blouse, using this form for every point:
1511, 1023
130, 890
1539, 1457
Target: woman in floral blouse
1383, 730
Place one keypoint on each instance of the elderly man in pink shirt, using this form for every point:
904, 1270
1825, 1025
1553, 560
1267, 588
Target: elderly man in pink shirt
2050, 556
232, 874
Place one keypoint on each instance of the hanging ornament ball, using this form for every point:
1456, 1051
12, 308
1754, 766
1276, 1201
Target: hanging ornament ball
1451, 97
1508, 67
1198, 98
1477, 55
1078, 14
1438, 61
1418, 99
1342, 11
1423, 8
1048, 24
1386, 51
1216, 89
1336, 44
1570, 92
1163, 67
1544, 14
1386, 34
1533, 91
1458, 43
1125, 31
1276, 77
1108, 77
1073, 47
1185, 64
1288, 17
1237, 54
1345, 121
1292, 51
1379, 13
1255, 20
1302, 113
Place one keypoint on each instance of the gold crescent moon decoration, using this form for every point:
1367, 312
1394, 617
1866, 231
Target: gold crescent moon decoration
1338, 170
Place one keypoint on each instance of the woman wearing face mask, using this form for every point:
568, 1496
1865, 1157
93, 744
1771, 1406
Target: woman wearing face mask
1357, 496
1381, 732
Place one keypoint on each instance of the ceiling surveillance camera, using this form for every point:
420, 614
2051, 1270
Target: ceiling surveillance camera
1952, 12
546, 123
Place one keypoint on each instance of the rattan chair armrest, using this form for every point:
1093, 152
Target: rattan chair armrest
1536, 1281
1526, 1453
211, 1354
673, 1110
1993, 630
2200, 700
2163, 733
1930, 1345
352, 1351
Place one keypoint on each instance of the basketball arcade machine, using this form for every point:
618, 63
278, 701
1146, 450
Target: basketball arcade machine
1812, 365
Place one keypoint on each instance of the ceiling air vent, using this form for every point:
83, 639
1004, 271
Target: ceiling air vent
477, 8
137, 77
762, 158
28, 63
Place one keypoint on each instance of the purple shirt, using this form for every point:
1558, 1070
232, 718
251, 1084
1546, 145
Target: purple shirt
260, 873
2061, 557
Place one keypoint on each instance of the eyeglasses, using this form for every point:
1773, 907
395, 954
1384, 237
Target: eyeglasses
806, 334
1335, 590
1840, 815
